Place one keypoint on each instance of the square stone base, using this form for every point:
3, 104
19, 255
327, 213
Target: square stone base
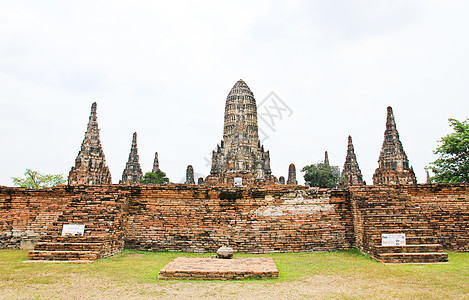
221, 269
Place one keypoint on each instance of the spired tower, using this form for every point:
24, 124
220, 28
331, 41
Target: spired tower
393, 163
132, 172
240, 153
351, 173
90, 165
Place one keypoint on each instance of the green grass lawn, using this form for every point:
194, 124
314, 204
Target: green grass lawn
348, 274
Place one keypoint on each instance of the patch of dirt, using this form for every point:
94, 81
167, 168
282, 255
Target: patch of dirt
76, 286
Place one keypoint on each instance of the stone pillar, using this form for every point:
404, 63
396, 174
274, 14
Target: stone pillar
156, 164
200, 181
281, 180
190, 175
292, 175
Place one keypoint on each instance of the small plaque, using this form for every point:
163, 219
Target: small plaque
73, 229
238, 181
394, 239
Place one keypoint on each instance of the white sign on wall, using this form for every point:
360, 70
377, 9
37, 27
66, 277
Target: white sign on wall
73, 229
394, 239
238, 181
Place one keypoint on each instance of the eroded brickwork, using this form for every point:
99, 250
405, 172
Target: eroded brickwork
351, 174
201, 218
393, 164
90, 165
132, 172
240, 153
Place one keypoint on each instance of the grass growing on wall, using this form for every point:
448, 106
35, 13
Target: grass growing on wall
133, 274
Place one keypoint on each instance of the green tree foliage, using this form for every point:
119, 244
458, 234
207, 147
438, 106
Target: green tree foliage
158, 177
35, 180
321, 175
452, 164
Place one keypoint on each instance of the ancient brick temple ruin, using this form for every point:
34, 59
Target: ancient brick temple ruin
393, 163
240, 153
351, 174
132, 172
395, 220
90, 165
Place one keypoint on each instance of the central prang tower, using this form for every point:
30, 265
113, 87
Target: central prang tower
240, 153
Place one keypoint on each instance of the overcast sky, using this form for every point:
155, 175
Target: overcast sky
164, 69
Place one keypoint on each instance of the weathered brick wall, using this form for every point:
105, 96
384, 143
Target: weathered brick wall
26, 214
258, 220
422, 210
277, 218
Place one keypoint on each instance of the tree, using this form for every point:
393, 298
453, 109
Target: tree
452, 164
158, 177
321, 175
36, 180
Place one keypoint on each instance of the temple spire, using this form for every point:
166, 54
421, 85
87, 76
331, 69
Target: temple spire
132, 172
240, 154
393, 164
190, 175
292, 174
326, 158
90, 165
351, 174
156, 164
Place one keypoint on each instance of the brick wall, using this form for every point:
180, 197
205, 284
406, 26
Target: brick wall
421, 211
256, 220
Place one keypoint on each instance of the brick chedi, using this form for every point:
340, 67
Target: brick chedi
90, 165
240, 153
156, 164
292, 174
351, 174
393, 163
190, 175
132, 172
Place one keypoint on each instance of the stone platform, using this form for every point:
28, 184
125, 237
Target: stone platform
219, 269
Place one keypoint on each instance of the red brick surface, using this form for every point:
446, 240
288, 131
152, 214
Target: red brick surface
221, 269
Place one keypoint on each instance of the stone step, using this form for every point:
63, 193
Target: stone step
62, 255
426, 248
60, 246
76, 239
396, 258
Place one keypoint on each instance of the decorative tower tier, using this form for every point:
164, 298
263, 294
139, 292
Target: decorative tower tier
132, 172
351, 174
240, 153
393, 163
90, 165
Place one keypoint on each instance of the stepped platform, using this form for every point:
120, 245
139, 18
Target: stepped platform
219, 269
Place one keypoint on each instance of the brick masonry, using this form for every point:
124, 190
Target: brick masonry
254, 220
219, 269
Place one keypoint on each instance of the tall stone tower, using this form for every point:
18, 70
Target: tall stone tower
132, 172
351, 173
393, 163
240, 153
156, 164
90, 165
